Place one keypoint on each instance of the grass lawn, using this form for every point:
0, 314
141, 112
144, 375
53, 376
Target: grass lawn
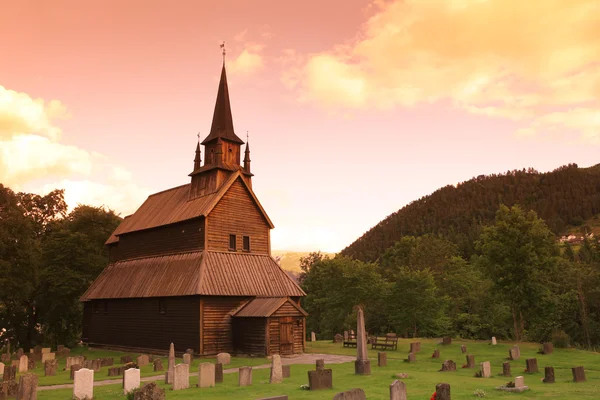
424, 375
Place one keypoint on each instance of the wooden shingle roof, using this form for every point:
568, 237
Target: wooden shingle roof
174, 205
196, 273
265, 307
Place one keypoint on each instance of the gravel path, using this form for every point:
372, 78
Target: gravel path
300, 359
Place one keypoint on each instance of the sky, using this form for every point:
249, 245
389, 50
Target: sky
354, 108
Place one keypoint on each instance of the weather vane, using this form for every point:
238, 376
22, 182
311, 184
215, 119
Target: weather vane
224, 51
247, 136
198, 136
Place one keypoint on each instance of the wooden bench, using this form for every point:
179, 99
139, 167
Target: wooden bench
351, 342
387, 342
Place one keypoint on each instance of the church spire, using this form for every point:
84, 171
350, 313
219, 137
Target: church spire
247, 155
197, 159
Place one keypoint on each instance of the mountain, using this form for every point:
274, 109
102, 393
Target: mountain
290, 260
565, 198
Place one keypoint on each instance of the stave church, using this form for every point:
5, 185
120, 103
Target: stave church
193, 265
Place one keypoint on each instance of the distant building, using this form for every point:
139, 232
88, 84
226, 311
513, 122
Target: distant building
193, 265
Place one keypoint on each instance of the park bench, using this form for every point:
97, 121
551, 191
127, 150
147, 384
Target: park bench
390, 341
351, 342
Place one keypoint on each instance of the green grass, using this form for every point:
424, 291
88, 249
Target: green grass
424, 375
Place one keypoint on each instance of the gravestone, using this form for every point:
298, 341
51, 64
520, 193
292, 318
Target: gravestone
442, 391
494, 342
413, 348
218, 373
286, 371
448, 365
74, 369
411, 358
470, 361
10, 372
48, 356
223, 358
463, 348
338, 338
125, 359
486, 369
245, 376
181, 377
353, 394
158, 365
506, 369
60, 347
532, 366
20, 353
170, 365
46, 350
381, 359
143, 360
50, 367
116, 371
1, 368
436, 354
320, 364
27, 389
131, 380
418, 347
8, 389
398, 390
73, 361
107, 362
519, 382
320, 379
187, 359
150, 392
92, 364
549, 375
346, 336
83, 387
37, 349
313, 337
578, 374
23, 364
447, 340
402, 375
276, 372
514, 353
206, 375
548, 348
30, 364
362, 365
190, 352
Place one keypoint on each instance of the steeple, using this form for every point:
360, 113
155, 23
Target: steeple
197, 159
222, 122
247, 156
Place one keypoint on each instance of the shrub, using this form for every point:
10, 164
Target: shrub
560, 339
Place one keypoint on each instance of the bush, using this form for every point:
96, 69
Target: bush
560, 339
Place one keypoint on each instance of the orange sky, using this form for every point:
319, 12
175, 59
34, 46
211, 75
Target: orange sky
354, 108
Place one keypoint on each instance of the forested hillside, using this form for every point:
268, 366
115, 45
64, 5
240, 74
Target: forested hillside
564, 197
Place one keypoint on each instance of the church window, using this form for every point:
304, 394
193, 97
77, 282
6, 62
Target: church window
162, 306
246, 243
232, 243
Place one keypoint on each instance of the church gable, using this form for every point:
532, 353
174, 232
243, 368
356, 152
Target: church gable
238, 214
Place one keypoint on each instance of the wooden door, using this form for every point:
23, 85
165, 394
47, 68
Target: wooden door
286, 336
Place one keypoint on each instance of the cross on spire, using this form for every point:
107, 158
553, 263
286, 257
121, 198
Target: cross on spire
223, 51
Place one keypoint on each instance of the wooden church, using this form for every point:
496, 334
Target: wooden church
193, 265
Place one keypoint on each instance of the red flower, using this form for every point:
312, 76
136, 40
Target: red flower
433, 396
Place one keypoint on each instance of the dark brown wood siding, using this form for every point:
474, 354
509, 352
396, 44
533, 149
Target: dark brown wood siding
287, 310
274, 336
137, 323
237, 213
217, 334
174, 238
249, 335
275, 342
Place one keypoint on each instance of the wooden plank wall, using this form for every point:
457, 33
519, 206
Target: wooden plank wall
249, 336
174, 238
237, 214
216, 323
137, 323
274, 334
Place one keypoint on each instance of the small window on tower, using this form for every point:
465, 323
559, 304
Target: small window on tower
232, 243
246, 243
162, 306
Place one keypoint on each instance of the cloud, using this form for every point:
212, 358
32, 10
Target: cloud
249, 61
33, 159
525, 61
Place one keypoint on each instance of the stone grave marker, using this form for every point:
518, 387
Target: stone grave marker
436, 354
549, 375
320, 364
218, 373
50, 367
413, 348
206, 375
353, 394
190, 352
170, 365
411, 358
60, 347
519, 382
30, 364
346, 336
83, 387
470, 361
494, 342
27, 389
548, 348
116, 371
532, 367
514, 353
48, 356
10, 372
286, 370
1, 368
187, 359
9, 389
448, 365
107, 362
463, 348
73, 361
23, 364
578, 374
181, 377
276, 371
313, 337
486, 369
158, 365
398, 390
362, 365
46, 350
338, 338
223, 358
381, 359
20, 353
131, 380
442, 391
143, 360
126, 359
320, 379
150, 392
245, 376
74, 369
447, 340
506, 369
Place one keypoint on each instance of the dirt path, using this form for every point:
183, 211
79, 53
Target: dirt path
301, 359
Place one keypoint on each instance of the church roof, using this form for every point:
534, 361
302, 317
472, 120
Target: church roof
174, 205
222, 123
265, 307
209, 273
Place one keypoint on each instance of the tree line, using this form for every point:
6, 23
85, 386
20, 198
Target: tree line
518, 284
566, 196
48, 258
